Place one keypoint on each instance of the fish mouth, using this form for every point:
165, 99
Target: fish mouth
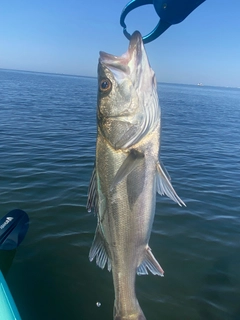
128, 61
136, 45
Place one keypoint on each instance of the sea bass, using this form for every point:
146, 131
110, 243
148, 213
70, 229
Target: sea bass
127, 173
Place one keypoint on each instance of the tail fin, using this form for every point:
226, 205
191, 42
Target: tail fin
139, 317
128, 316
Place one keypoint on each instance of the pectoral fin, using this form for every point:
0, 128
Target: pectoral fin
150, 264
129, 164
92, 195
164, 186
127, 138
99, 250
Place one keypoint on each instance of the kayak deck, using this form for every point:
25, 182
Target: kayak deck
8, 309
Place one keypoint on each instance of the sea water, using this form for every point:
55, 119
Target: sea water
47, 146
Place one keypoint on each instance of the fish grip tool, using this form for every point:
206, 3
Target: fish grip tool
170, 12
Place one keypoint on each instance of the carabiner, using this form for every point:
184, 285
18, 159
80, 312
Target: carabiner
169, 11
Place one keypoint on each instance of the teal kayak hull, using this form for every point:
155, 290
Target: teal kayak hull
8, 309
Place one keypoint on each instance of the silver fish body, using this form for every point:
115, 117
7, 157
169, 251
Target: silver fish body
127, 173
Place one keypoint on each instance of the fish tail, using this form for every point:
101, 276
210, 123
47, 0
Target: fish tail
136, 317
126, 305
118, 315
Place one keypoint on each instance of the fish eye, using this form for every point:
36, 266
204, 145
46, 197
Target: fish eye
105, 85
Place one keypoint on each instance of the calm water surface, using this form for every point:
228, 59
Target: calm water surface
47, 144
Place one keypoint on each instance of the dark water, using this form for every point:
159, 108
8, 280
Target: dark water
47, 142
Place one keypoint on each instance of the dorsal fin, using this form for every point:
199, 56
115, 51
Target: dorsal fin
99, 251
92, 194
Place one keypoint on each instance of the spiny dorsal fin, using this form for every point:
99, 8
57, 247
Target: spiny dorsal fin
129, 164
150, 264
164, 186
92, 195
99, 251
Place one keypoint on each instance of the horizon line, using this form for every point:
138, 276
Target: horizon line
93, 77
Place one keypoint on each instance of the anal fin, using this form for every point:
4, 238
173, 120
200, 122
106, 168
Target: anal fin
150, 264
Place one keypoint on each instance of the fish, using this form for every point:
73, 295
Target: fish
127, 173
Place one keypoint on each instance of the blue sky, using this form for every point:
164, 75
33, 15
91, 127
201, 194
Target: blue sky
66, 37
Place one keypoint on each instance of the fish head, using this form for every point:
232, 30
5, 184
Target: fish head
127, 95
